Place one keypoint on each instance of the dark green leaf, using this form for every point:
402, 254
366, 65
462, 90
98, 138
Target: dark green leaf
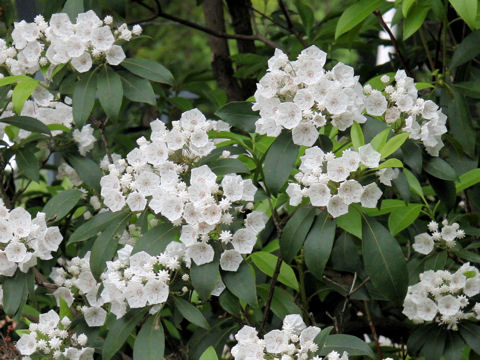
401, 218
306, 14
204, 278
467, 50
321, 338
230, 303
148, 69
26, 123
345, 255
110, 91
351, 344
119, 331
96, 224
283, 302
190, 312
239, 114
384, 261
351, 222
295, 232
440, 169
15, 292
28, 163
412, 156
73, 8
279, 162
84, 98
88, 170
460, 121
318, 244
436, 261
150, 341
228, 166
445, 191
61, 204
355, 14
471, 334
433, 347
105, 245
156, 240
137, 89
242, 284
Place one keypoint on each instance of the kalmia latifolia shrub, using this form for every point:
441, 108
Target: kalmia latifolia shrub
266, 231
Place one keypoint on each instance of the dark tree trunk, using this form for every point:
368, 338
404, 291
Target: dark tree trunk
221, 62
241, 22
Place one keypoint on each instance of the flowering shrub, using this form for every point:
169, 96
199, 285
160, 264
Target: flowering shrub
232, 237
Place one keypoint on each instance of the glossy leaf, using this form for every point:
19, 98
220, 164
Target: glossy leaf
73, 8
88, 170
467, 180
357, 135
401, 218
96, 224
190, 312
467, 10
393, 144
209, 354
351, 344
28, 163
413, 182
27, 123
242, 284
204, 278
22, 92
354, 15
239, 114
318, 244
267, 262
137, 89
156, 240
390, 163
61, 204
414, 20
351, 222
84, 98
119, 331
228, 166
110, 91
148, 69
295, 232
384, 261
440, 169
471, 334
15, 292
150, 341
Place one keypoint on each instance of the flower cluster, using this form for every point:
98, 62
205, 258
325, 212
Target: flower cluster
302, 96
161, 174
444, 237
51, 338
328, 181
44, 107
23, 240
60, 41
423, 119
294, 341
84, 139
444, 297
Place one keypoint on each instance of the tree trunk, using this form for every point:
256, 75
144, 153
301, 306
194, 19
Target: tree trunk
221, 63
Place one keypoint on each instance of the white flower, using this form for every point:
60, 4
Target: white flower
94, 316
336, 206
293, 324
102, 38
27, 344
289, 115
319, 194
305, 134
337, 170
423, 244
427, 310
115, 55
136, 201
200, 253
369, 156
276, 341
84, 139
16, 251
230, 260
375, 103
244, 240
156, 291
350, 191
294, 192
82, 63
371, 194
448, 305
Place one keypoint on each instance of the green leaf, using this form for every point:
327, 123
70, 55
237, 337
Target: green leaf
400, 219
28, 163
414, 20
351, 222
84, 98
150, 341
15, 292
467, 50
96, 224
318, 244
440, 169
242, 284
467, 10
239, 114
230, 303
351, 344
228, 166
88, 170
267, 262
73, 8
279, 162
413, 182
204, 278
119, 331
321, 338
384, 261
471, 334
283, 302
467, 180
393, 144
148, 69
295, 232
406, 5
64, 309
306, 14
436, 261
190, 312
412, 156
8, 80
60, 205
110, 91
345, 256
391, 163
209, 354
22, 92
380, 139
354, 15
460, 122
26, 123
356, 134
105, 245
137, 89
155, 241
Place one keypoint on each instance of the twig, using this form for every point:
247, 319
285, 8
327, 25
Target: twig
291, 26
41, 280
159, 13
372, 328
393, 40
